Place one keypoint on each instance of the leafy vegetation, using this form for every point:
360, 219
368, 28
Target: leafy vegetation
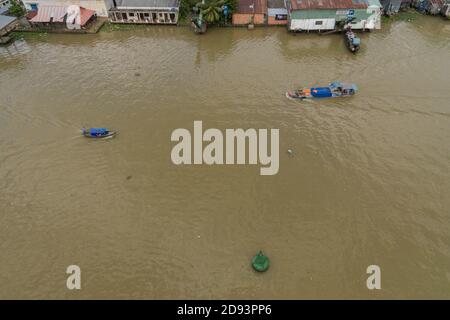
186, 7
16, 9
108, 26
407, 15
211, 10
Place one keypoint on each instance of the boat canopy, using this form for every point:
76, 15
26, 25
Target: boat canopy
97, 131
321, 92
336, 84
349, 86
356, 41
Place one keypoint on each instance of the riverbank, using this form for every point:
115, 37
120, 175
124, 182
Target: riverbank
103, 25
408, 14
92, 28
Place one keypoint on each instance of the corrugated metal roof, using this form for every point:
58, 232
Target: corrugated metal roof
327, 14
276, 4
85, 15
252, 6
58, 13
31, 14
123, 4
275, 11
3, 10
5, 21
329, 4
377, 3
47, 13
272, 12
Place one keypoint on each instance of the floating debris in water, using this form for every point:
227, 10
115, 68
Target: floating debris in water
290, 152
129, 177
137, 74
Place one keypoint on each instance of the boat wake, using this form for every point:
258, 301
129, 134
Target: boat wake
298, 100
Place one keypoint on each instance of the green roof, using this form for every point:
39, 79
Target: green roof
374, 3
360, 14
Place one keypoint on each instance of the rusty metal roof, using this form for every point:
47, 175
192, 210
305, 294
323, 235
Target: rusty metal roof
252, 6
47, 13
58, 13
328, 4
124, 4
85, 15
275, 4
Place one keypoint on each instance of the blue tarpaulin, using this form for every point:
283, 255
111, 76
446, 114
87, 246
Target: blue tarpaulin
321, 92
98, 131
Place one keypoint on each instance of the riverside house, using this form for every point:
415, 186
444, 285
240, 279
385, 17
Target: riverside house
4, 6
323, 15
250, 12
99, 6
391, 7
145, 11
433, 7
72, 17
7, 24
276, 12
445, 11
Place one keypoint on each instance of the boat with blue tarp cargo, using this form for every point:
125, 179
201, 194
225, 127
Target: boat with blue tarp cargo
98, 133
351, 40
333, 90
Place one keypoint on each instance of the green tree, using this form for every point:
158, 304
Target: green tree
215, 11
16, 9
186, 7
212, 9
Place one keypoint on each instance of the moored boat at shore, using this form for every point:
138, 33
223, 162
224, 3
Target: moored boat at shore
351, 40
333, 90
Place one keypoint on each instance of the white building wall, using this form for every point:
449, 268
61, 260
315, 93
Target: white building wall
271, 12
369, 24
312, 24
100, 6
374, 21
5, 3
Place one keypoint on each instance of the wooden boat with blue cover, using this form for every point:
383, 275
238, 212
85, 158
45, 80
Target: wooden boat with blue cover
98, 133
333, 90
351, 40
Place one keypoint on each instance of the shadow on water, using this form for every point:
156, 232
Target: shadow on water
11, 54
298, 46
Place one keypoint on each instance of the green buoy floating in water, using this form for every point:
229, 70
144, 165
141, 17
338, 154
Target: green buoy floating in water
260, 262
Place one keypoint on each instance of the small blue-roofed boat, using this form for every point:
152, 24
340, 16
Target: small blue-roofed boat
98, 133
351, 40
333, 90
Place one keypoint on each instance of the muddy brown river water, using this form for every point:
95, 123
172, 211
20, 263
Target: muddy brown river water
368, 183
